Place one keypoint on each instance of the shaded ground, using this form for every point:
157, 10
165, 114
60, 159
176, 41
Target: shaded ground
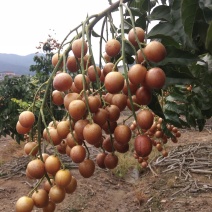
170, 191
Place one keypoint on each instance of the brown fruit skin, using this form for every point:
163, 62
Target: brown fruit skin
92, 73
155, 78
143, 145
31, 147
77, 109
87, 168
57, 97
78, 154
94, 103
143, 95
139, 57
63, 178
63, 128
145, 119
121, 148
55, 59
100, 117
111, 161
100, 159
107, 144
52, 164
57, 194
112, 47
79, 126
113, 112
51, 206
120, 100
26, 119
77, 46
62, 82
71, 186
36, 168
114, 82
22, 130
140, 34
40, 198
122, 134
24, 204
78, 82
72, 64
155, 51
92, 133
108, 67
137, 74
69, 97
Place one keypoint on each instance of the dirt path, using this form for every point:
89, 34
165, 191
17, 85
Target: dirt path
104, 191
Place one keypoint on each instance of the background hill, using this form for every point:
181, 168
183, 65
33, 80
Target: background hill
16, 63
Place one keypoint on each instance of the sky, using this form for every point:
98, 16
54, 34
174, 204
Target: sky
24, 23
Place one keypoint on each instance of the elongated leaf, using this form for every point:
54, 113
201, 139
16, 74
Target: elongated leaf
174, 107
161, 12
177, 98
188, 13
173, 118
95, 34
208, 43
180, 57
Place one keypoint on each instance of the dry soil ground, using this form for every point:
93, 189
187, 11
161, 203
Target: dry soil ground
183, 181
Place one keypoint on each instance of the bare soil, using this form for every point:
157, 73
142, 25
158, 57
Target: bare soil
139, 190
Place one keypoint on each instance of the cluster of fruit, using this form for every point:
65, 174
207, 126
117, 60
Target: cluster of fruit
93, 116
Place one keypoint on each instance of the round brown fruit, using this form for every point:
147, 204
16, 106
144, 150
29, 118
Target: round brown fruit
94, 103
55, 59
143, 95
57, 97
155, 78
122, 134
114, 82
22, 130
51, 206
143, 145
77, 48
113, 112
93, 73
78, 154
24, 204
69, 97
145, 119
107, 144
62, 81
40, 198
140, 35
78, 82
52, 164
31, 148
26, 119
155, 51
72, 64
120, 100
100, 117
100, 159
121, 148
92, 133
87, 168
112, 47
63, 128
108, 68
111, 161
36, 168
79, 126
71, 187
53, 136
63, 177
139, 57
57, 194
77, 109
107, 58
137, 74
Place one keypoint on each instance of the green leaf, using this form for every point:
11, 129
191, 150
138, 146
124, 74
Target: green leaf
208, 42
156, 107
188, 13
161, 12
177, 98
173, 118
95, 34
178, 57
165, 130
174, 107
206, 7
